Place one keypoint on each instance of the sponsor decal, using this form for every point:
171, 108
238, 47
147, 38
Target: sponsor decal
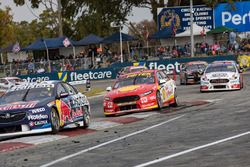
63, 76
144, 74
36, 79
170, 67
17, 106
144, 100
31, 86
37, 117
77, 113
77, 76
37, 110
238, 19
128, 88
37, 123
220, 75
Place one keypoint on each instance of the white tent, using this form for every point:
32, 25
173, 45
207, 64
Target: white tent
196, 31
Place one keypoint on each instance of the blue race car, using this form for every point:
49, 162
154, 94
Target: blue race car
42, 107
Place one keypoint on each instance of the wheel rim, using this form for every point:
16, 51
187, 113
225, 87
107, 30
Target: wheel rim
54, 120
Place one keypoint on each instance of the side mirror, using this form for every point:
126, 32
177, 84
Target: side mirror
162, 81
108, 88
63, 95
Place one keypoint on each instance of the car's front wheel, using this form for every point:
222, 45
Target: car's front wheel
55, 121
159, 100
175, 104
86, 117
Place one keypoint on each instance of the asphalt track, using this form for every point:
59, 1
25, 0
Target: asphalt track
206, 130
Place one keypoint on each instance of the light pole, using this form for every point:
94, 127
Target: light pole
113, 24
120, 27
191, 28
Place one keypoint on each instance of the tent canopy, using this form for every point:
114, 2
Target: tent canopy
196, 31
50, 43
88, 40
116, 38
163, 34
220, 29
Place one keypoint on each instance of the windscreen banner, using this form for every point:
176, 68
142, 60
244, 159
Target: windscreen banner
236, 15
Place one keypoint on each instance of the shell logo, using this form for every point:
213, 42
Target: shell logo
129, 88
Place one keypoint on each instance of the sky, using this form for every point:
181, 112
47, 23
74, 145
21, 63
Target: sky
25, 13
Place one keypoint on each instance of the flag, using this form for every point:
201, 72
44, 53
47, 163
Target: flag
66, 42
16, 48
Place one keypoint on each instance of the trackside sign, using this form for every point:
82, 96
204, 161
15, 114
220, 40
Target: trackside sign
237, 17
71, 76
110, 73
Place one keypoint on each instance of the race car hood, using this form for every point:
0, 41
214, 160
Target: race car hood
24, 105
215, 75
133, 89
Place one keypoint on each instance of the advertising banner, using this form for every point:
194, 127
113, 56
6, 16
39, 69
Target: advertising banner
110, 73
235, 16
179, 17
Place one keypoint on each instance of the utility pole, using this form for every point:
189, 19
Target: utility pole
191, 28
59, 13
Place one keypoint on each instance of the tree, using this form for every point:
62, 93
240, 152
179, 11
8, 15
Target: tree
7, 34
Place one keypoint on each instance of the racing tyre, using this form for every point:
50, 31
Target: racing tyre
159, 100
175, 104
55, 121
86, 117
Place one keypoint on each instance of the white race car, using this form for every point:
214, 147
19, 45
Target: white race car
222, 75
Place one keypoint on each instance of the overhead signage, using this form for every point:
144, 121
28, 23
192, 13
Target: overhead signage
179, 17
236, 15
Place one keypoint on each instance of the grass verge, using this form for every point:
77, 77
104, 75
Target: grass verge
93, 91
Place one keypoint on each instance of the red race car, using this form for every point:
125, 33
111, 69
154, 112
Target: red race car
140, 91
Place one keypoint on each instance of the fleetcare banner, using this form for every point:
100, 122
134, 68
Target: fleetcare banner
71, 76
110, 73
236, 16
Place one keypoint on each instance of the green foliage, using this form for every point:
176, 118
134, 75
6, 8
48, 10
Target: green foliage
7, 34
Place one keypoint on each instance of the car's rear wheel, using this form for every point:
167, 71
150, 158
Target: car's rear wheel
159, 100
86, 117
55, 121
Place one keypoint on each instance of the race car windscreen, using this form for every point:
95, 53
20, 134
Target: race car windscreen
221, 68
26, 95
15, 80
135, 79
195, 67
137, 69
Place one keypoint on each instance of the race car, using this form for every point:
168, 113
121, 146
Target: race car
42, 107
191, 72
8, 82
129, 69
221, 76
140, 91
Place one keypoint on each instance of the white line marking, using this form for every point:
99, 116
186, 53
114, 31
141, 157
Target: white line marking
192, 149
109, 142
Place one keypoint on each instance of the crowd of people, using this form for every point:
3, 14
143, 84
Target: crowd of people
93, 58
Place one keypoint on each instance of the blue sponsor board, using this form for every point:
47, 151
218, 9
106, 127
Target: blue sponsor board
110, 73
179, 17
237, 17
69, 76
